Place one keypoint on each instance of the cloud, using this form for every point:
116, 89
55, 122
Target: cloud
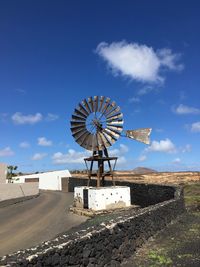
195, 127
176, 160
24, 144
145, 90
71, 157
138, 62
42, 141
39, 156
119, 152
76, 157
183, 109
165, 146
134, 100
187, 148
6, 152
51, 117
142, 158
19, 118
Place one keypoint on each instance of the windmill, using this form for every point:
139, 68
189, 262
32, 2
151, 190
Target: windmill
96, 124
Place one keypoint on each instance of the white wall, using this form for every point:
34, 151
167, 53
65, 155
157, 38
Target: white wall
12, 191
47, 180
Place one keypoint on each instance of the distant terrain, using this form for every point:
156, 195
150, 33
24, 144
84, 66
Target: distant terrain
145, 175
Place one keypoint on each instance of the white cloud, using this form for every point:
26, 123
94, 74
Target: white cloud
6, 152
134, 100
24, 144
19, 118
51, 117
186, 148
71, 157
142, 158
177, 160
162, 146
145, 90
76, 157
183, 109
39, 156
42, 141
195, 127
138, 62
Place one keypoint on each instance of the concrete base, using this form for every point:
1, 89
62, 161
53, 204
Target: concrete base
102, 198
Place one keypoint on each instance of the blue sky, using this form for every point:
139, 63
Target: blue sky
142, 54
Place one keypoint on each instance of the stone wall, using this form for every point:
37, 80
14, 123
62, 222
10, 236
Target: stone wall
109, 242
13, 193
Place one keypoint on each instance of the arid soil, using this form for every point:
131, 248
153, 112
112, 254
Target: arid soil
176, 178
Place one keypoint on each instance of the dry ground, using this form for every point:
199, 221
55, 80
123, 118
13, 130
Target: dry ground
155, 177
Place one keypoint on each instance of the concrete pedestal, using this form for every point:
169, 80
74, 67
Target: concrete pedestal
102, 198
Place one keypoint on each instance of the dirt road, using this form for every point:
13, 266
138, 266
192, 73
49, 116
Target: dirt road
31, 222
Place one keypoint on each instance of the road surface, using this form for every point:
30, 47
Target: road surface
33, 221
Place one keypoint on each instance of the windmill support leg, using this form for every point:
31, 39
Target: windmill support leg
90, 173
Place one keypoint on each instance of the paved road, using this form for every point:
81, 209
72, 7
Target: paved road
31, 222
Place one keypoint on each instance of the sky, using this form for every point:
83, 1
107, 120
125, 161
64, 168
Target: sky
142, 54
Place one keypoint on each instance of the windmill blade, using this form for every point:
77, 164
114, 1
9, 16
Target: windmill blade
96, 103
112, 123
77, 123
87, 142
77, 118
91, 104
101, 142
118, 128
109, 137
85, 104
76, 129
105, 106
110, 108
101, 101
115, 117
82, 137
113, 134
105, 141
78, 133
141, 135
83, 110
80, 113
95, 143
113, 112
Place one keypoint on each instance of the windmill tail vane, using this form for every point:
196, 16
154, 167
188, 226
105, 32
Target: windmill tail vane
141, 135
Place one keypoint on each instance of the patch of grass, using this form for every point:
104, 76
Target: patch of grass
192, 195
159, 259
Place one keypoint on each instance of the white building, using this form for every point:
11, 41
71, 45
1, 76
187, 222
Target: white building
54, 180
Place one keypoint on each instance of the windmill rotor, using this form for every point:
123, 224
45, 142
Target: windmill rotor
96, 123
